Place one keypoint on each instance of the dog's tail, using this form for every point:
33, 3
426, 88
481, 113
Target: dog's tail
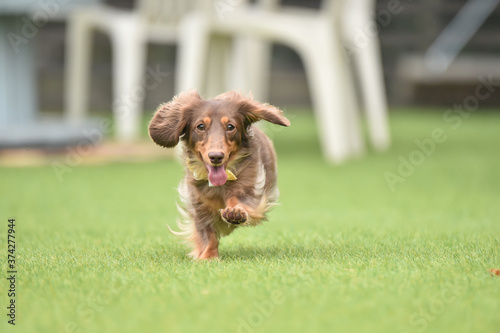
184, 222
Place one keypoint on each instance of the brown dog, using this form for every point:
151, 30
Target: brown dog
230, 164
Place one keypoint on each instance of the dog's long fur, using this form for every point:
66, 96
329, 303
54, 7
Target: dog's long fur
220, 127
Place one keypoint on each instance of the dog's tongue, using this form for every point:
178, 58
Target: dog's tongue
217, 175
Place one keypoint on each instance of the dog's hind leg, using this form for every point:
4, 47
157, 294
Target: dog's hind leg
212, 249
206, 243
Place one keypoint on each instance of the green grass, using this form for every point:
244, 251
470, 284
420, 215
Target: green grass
343, 253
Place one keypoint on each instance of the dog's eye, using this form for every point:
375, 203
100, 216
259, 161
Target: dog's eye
230, 127
201, 127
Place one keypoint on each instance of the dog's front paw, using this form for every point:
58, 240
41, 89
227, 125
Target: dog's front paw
234, 215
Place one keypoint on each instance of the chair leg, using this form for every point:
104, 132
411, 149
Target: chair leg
239, 71
192, 54
357, 14
77, 71
251, 62
260, 67
355, 135
332, 93
372, 86
129, 90
219, 66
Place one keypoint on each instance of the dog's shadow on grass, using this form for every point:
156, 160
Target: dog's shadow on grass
276, 253
266, 253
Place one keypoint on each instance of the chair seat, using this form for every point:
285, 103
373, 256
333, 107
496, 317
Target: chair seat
276, 26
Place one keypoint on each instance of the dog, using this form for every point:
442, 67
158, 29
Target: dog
230, 164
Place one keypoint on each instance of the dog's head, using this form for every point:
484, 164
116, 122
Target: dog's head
213, 130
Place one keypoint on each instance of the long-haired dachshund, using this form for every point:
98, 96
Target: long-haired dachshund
230, 165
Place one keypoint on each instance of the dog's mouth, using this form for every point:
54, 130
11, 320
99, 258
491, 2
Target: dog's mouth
217, 175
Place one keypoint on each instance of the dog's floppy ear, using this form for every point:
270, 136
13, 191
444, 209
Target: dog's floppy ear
171, 119
255, 111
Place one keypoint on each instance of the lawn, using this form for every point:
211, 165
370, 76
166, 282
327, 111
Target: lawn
346, 251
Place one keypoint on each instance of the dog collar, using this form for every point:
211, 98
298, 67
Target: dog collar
201, 173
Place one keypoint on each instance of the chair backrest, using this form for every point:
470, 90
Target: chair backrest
162, 17
170, 12
166, 13
338, 8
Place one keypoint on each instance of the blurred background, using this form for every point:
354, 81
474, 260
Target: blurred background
409, 34
432, 54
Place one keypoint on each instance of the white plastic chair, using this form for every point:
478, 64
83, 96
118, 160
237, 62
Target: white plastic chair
315, 36
130, 31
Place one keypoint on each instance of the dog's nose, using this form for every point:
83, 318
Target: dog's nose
216, 157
